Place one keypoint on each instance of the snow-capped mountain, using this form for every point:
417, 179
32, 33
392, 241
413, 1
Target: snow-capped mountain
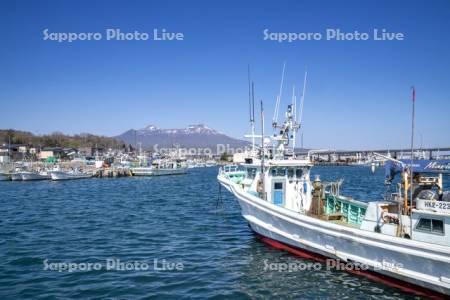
193, 136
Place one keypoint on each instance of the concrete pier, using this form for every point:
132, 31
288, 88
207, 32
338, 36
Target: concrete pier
112, 173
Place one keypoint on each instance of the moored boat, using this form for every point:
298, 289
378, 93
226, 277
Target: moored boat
142, 171
69, 175
402, 240
33, 175
162, 167
16, 176
5, 176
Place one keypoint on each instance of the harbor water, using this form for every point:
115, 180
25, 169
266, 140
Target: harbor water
188, 240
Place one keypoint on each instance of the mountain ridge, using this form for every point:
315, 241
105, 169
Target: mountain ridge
192, 136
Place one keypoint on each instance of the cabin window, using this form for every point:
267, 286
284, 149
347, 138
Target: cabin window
431, 225
251, 173
290, 172
298, 173
278, 186
424, 224
274, 172
281, 172
437, 226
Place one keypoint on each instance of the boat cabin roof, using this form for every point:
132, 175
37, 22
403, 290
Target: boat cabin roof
290, 163
279, 163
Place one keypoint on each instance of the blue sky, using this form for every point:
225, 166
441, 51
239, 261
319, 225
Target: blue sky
358, 92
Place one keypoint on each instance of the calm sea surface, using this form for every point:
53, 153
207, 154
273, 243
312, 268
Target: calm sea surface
169, 237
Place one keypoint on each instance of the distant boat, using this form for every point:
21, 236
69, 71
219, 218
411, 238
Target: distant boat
210, 163
165, 171
16, 175
31, 175
69, 175
162, 167
142, 171
4, 176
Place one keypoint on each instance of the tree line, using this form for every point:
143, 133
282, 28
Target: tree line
58, 139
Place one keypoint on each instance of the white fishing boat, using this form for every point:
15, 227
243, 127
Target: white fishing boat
16, 175
162, 167
34, 175
142, 171
402, 241
5, 172
69, 175
210, 163
5, 176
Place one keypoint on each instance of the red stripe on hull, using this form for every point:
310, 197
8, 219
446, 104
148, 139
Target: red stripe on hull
377, 277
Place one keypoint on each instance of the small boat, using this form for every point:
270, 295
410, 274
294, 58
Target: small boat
210, 163
69, 175
4, 176
166, 171
162, 167
16, 175
142, 171
32, 175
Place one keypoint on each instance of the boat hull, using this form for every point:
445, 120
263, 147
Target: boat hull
34, 177
59, 175
4, 177
420, 264
157, 172
377, 277
163, 172
142, 171
16, 176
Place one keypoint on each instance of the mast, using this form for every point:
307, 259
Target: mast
252, 118
298, 118
9, 147
302, 100
277, 103
251, 108
140, 155
294, 108
301, 143
249, 94
412, 152
262, 153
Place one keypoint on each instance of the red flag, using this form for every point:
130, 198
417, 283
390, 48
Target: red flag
413, 94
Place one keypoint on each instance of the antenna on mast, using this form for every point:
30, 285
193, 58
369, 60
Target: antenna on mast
249, 95
277, 103
251, 107
294, 102
413, 90
263, 194
294, 110
253, 102
302, 100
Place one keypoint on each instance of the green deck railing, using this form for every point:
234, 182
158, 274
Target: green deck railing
352, 212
